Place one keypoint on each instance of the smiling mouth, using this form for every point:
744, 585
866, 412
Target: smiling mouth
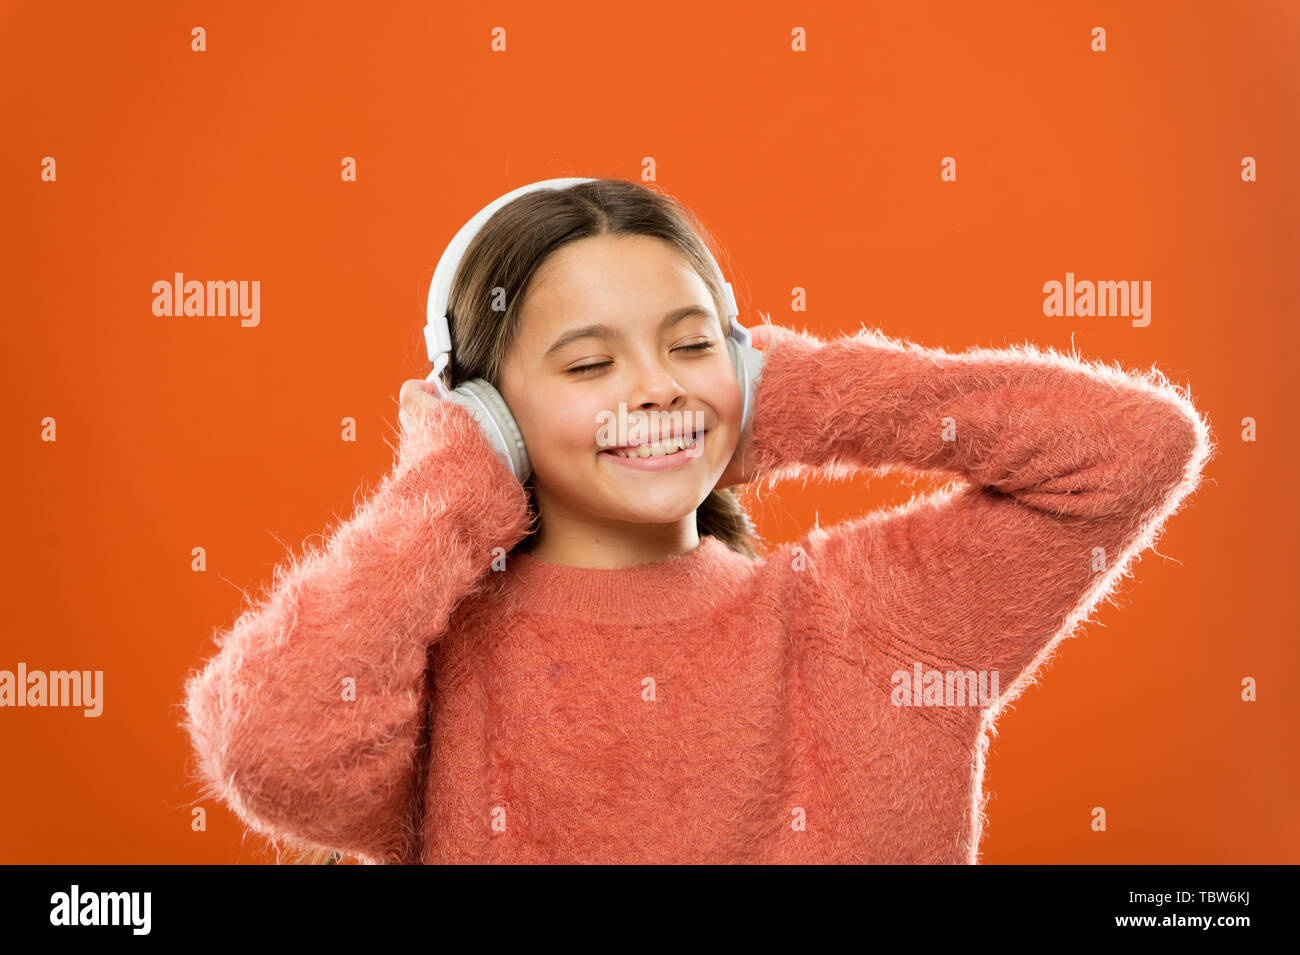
660, 448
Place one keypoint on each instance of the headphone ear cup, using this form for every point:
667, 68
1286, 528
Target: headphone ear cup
748, 362
497, 424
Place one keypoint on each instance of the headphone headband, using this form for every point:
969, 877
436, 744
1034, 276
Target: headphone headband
437, 331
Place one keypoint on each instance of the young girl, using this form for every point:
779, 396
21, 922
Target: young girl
595, 665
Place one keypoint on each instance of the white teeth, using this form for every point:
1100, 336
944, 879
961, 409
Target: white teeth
655, 450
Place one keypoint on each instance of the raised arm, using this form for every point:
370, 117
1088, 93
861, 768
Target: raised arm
311, 721
1065, 470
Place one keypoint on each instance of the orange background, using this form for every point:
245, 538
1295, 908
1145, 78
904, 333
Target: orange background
818, 170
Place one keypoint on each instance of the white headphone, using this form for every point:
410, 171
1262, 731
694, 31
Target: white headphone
484, 401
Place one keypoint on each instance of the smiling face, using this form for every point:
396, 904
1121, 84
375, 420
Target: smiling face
659, 348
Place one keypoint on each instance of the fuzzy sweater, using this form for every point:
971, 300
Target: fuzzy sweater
410, 691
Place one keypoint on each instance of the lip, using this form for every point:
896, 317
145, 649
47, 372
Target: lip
661, 438
662, 462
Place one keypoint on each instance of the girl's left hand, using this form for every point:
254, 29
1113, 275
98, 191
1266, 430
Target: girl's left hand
741, 468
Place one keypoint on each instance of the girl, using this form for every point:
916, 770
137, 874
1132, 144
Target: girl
595, 665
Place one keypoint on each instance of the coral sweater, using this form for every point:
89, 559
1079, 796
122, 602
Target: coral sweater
407, 691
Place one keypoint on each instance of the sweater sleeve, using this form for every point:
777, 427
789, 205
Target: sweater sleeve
311, 721
1064, 471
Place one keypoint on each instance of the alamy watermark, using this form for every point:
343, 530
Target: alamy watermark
1128, 299
921, 687
626, 428
102, 908
197, 299
84, 688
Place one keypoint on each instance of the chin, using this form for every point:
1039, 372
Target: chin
661, 508
658, 519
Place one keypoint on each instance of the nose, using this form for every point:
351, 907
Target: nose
654, 387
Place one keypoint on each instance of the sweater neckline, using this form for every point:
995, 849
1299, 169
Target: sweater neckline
678, 587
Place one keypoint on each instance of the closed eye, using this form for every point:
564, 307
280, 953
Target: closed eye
583, 369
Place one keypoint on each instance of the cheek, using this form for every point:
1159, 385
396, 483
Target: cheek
560, 437
722, 393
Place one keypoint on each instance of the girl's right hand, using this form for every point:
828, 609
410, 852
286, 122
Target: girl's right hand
416, 394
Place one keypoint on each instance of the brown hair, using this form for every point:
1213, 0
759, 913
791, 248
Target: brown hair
512, 245
506, 252
311, 857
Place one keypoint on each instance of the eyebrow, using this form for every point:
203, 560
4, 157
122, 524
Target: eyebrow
601, 330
